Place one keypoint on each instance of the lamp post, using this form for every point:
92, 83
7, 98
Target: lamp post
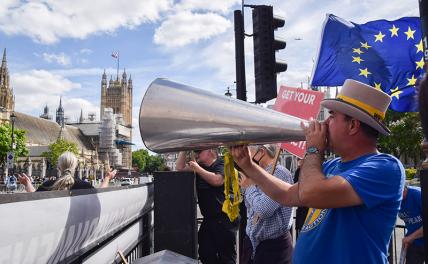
228, 93
12, 120
12, 142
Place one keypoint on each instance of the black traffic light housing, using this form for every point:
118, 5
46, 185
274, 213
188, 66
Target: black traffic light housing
265, 45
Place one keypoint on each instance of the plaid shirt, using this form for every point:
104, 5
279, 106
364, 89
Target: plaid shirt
267, 219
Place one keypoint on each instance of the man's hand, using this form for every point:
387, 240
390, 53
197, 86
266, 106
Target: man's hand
110, 175
407, 241
194, 166
241, 155
316, 134
244, 181
24, 179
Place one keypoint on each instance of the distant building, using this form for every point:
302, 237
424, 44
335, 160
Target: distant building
101, 143
46, 114
7, 100
60, 114
117, 95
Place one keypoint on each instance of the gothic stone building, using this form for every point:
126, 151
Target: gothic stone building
116, 115
7, 100
117, 95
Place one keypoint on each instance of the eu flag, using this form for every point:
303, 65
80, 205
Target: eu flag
387, 55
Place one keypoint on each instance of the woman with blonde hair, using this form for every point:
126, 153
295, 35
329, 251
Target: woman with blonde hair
67, 164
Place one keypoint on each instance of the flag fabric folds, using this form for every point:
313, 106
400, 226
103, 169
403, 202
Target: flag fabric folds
387, 55
115, 54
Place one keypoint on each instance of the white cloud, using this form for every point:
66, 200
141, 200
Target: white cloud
49, 21
73, 106
222, 6
61, 58
185, 28
85, 51
36, 88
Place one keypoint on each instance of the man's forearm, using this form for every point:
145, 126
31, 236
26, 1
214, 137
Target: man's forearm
417, 234
278, 190
180, 164
29, 187
310, 177
211, 177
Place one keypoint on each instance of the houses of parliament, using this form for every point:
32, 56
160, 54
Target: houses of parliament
104, 142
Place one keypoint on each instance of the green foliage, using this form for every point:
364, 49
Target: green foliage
406, 135
410, 173
146, 162
59, 147
6, 140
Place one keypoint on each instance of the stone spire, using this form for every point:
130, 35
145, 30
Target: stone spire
60, 114
104, 78
7, 99
81, 116
124, 77
4, 62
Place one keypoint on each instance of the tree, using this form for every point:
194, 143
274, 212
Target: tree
139, 158
155, 163
406, 136
59, 147
146, 162
6, 140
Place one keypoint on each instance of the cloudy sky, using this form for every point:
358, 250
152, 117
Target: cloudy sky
61, 47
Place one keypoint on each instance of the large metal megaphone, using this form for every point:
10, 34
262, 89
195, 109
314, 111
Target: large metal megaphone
176, 117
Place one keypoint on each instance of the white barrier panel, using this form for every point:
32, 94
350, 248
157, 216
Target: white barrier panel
61, 227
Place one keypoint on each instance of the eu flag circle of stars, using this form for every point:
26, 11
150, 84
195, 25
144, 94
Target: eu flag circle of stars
358, 58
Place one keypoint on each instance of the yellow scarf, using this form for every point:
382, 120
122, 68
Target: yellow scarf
231, 208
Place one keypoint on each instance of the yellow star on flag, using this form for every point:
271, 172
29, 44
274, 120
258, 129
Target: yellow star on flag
412, 81
394, 31
420, 47
357, 59
409, 33
379, 37
420, 64
357, 51
395, 92
364, 72
377, 86
365, 45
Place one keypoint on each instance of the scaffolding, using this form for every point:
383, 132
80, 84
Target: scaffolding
108, 138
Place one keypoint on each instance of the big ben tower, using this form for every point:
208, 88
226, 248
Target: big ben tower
6, 93
117, 94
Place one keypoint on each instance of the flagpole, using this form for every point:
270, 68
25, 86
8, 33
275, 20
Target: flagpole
118, 65
423, 176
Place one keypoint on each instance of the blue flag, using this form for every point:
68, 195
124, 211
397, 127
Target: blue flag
387, 55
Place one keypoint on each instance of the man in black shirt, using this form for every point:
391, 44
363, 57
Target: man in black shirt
217, 235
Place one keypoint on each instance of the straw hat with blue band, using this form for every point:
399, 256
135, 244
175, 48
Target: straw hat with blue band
362, 102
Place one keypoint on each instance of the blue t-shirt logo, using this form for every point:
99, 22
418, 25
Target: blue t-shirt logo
314, 218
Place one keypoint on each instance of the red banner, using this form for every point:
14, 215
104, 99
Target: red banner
300, 103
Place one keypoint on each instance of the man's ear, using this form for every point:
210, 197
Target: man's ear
354, 126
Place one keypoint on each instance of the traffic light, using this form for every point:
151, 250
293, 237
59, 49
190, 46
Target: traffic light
265, 45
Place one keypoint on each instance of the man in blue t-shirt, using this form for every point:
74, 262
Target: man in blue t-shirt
353, 200
411, 214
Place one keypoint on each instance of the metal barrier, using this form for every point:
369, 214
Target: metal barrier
84, 226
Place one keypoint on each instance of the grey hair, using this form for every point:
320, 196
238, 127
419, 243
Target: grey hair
67, 164
270, 149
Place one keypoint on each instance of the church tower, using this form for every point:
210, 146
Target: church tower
7, 100
118, 96
46, 114
60, 114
